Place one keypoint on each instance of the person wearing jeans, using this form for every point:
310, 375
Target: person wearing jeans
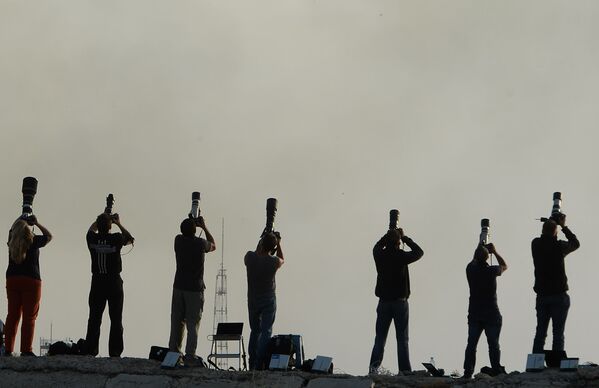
262, 266
483, 311
23, 282
551, 283
393, 290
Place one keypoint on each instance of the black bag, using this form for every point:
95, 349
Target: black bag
158, 353
281, 344
69, 348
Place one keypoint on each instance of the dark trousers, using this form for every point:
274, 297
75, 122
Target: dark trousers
491, 325
397, 311
105, 288
262, 311
554, 308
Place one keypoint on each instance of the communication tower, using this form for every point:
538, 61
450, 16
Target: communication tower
220, 302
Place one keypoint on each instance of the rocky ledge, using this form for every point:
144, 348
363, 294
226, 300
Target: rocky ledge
81, 371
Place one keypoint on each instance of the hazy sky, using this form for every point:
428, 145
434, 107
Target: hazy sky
450, 111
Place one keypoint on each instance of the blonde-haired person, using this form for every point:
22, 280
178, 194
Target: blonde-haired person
23, 282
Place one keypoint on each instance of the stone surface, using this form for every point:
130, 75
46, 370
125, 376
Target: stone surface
329, 382
80, 371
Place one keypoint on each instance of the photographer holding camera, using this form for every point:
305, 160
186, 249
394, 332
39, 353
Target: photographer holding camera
188, 288
483, 311
262, 266
23, 281
551, 283
393, 290
107, 284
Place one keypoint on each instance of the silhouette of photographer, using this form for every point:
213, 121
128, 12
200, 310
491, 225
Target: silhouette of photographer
393, 290
262, 266
107, 284
483, 311
188, 288
551, 282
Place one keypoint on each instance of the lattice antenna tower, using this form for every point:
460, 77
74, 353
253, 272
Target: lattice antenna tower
220, 302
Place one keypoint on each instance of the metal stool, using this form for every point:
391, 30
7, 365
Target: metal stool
225, 332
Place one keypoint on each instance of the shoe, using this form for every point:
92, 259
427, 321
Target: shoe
493, 372
193, 360
28, 354
467, 376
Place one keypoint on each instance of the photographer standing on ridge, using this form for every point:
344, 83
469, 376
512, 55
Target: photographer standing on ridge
188, 288
107, 285
262, 266
483, 312
551, 283
393, 290
23, 282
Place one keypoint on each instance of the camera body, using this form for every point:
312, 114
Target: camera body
485, 236
556, 208
393, 219
109, 206
29, 189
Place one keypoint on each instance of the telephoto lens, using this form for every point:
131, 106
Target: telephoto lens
393, 219
271, 212
484, 231
109, 204
29, 189
557, 204
195, 205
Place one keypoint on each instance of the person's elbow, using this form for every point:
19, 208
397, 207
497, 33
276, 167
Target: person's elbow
48, 237
212, 247
503, 267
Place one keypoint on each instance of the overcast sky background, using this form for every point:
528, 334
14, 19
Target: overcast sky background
450, 111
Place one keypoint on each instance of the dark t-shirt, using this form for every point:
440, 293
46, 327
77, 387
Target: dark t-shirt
548, 256
30, 267
105, 251
189, 253
261, 271
482, 279
393, 277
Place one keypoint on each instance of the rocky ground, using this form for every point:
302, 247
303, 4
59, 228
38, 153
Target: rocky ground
81, 371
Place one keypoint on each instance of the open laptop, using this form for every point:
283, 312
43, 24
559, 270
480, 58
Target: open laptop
433, 370
228, 331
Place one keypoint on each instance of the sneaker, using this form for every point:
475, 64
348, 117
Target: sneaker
28, 354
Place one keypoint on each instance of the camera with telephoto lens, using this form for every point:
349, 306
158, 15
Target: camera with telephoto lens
29, 189
271, 212
109, 205
194, 213
484, 238
556, 209
393, 219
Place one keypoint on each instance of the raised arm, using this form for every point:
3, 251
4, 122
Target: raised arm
280, 253
209, 237
572, 244
43, 229
502, 264
127, 237
415, 251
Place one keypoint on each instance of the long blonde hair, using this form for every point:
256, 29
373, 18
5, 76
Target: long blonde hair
20, 239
